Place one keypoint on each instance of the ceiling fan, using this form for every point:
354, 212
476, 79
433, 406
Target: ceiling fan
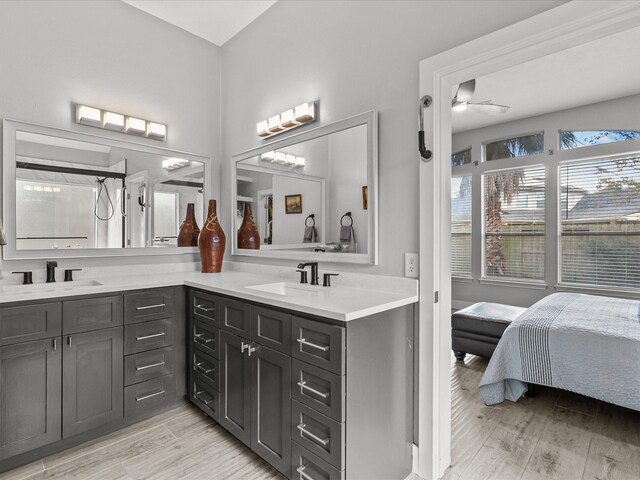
465, 92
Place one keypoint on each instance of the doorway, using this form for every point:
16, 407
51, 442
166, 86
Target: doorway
553, 31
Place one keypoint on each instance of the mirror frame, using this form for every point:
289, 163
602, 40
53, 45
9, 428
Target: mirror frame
370, 119
10, 127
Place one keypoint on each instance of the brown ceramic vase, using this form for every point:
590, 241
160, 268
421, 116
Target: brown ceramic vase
248, 234
212, 242
189, 231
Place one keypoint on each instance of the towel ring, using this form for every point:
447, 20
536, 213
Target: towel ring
348, 214
312, 217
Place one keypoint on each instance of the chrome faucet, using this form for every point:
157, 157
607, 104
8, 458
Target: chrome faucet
51, 271
314, 271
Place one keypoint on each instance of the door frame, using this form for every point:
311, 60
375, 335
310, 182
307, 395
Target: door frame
565, 26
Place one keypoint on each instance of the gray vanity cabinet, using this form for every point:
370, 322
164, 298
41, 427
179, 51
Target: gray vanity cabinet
93, 385
235, 386
29, 410
271, 407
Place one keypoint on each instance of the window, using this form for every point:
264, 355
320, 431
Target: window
600, 222
461, 227
570, 139
165, 217
514, 223
515, 147
462, 157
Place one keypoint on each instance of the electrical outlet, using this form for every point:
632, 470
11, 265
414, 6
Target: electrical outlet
411, 265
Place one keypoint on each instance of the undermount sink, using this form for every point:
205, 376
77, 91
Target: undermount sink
49, 287
286, 289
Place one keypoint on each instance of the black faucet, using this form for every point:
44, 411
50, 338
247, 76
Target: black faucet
51, 271
314, 271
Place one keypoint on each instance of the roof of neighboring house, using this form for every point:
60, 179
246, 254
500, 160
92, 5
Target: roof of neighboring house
607, 204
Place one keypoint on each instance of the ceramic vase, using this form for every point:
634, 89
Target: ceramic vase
189, 231
211, 242
248, 234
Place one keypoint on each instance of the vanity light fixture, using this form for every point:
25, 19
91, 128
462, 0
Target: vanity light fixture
113, 121
282, 158
175, 163
88, 115
122, 123
291, 118
135, 125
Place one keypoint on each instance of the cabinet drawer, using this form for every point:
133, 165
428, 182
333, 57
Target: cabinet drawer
140, 337
271, 328
30, 322
318, 389
318, 343
204, 307
318, 433
235, 317
147, 365
207, 366
91, 314
205, 396
206, 338
149, 305
150, 395
307, 466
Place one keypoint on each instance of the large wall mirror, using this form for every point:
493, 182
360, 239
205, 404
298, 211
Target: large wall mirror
69, 194
313, 196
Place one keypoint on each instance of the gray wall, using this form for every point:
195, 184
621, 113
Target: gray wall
111, 55
352, 57
614, 114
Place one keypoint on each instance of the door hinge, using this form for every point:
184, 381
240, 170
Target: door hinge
435, 298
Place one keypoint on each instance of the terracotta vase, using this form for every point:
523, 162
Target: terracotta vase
248, 234
212, 242
189, 231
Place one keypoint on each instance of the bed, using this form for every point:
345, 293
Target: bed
583, 343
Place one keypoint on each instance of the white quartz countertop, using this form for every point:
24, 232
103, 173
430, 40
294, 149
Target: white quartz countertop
338, 302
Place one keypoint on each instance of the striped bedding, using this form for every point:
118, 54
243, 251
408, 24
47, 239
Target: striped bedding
583, 343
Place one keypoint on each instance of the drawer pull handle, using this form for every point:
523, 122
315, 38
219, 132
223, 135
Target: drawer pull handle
203, 337
147, 337
206, 402
149, 366
145, 397
205, 309
147, 307
304, 386
303, 341
303, 474
306, 432
200, 368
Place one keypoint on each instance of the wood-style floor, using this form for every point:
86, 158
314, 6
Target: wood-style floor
180, 444
556, 435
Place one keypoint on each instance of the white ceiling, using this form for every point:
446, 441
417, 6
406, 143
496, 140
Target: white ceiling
594, 72
214, 20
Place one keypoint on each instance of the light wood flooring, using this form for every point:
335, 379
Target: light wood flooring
556, 435
180, 444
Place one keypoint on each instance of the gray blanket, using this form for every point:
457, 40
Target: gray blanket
582, 343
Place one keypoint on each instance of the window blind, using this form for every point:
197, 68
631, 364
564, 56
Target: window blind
514, 226
461, 226
600, 222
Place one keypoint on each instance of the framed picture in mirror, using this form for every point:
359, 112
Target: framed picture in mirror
293, 203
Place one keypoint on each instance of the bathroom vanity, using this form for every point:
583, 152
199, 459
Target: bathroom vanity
317, 381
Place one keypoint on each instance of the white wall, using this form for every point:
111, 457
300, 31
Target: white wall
288, 228
352, 57
111, 55
619, 114
347, 176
